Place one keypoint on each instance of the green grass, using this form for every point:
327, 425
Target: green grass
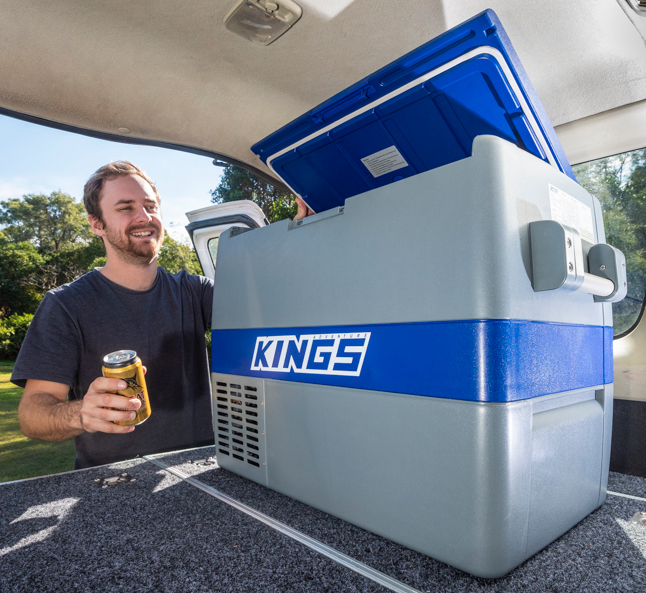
21, 457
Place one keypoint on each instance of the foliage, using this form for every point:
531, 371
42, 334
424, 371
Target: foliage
27, 273
51, 222
208, 345
619, 182
46, 241
175, 256
12, 333
240, 184
61, 267
99, 262
19, 262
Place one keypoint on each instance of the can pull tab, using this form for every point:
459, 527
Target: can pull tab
558, 262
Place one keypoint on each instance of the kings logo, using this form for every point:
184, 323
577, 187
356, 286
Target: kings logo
319, 354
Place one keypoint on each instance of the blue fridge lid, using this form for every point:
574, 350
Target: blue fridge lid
420, 112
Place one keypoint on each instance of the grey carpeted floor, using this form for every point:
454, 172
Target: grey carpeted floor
157, 533
627, 484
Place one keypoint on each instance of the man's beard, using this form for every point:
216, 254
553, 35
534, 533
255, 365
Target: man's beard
134, 252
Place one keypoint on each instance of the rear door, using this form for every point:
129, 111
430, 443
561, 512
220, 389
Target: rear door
206, 225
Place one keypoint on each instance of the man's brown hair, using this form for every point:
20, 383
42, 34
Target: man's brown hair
94, 185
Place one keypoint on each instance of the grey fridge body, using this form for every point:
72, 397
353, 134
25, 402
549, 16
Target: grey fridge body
481, 480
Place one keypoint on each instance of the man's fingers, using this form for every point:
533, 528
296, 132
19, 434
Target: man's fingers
303, 210
97, 425
102, 407
108, 400
96, 418
107, 385
114, 415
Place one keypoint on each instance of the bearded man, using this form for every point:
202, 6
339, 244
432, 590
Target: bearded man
129, 304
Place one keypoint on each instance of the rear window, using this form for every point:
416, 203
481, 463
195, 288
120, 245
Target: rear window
213, 249
619, 182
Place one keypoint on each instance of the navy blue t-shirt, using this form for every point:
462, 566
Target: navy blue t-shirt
77, 324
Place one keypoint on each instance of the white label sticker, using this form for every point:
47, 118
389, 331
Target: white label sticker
569, 211
386, 160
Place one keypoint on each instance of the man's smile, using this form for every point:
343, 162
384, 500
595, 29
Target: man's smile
147, 233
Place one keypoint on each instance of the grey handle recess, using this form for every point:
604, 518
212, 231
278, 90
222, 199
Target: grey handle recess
558, 262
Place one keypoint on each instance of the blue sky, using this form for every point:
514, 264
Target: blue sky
36, 159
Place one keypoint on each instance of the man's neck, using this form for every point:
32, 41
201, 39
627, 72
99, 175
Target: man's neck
128, 275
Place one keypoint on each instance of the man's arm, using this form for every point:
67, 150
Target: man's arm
45, 414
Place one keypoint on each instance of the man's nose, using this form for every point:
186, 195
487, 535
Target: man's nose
143, 215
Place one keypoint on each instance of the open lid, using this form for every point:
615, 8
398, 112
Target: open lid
420, 112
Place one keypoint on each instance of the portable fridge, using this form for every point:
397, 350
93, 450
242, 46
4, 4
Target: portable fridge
429, 356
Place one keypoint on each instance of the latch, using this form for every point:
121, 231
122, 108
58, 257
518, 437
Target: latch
558, 262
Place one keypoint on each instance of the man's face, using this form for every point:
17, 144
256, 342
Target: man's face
132, 225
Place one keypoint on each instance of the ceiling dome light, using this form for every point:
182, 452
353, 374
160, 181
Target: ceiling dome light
262, 21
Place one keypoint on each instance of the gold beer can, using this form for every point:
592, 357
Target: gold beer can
125, 365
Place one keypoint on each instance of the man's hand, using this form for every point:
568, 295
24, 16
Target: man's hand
100, 408
45, 413
303, 210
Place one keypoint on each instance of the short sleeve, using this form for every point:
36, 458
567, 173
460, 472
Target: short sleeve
52, 347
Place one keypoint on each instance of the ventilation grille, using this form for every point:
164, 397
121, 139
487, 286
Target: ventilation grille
239, 421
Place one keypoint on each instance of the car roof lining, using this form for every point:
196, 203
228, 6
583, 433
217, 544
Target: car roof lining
174, 76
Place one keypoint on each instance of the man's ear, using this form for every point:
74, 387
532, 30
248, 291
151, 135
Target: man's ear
97, 225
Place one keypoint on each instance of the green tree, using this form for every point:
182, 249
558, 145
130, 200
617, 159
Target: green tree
239, 184
46, 241
27, 273
175, 256
66, 265
19, 263
12, 333
51, 223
